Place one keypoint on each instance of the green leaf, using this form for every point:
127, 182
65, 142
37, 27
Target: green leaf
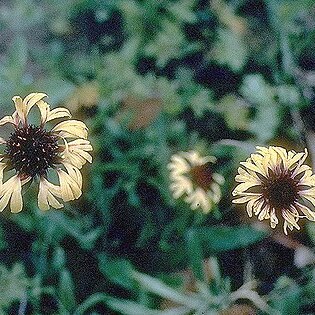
261, 94
161, 289
66, 290
170, 43
119, 271
235, 111
289, 95
195, 255
257, 90
132, 308
183, 11
310, 229
223, 238
125, 306
291, 296
14, 284
59, 258
230, 49
87, 241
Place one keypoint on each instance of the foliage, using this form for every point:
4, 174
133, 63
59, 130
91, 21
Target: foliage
151, 78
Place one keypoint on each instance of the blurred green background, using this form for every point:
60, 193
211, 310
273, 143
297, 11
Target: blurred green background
151, 78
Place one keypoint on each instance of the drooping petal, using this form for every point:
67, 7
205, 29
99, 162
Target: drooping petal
258, 206
20, 108
306, 211
309, 194
44, 109
254, 168
298, 157
48, 115
58, 112
195, 159
290, 219
244, 186
75, 173
244, 176
70, 189
31, 99
7, 120
215, 192
71, 129
47, 193
76, 152
273, 218
264, 213
307, 179
244, 199
218, 178
11, 191
181, 186
199, 198
178, 165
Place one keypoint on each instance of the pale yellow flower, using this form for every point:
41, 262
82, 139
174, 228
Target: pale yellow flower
32, 152
276, 185
192, 176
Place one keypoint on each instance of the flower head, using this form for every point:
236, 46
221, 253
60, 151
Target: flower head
192, 175
276, 184
32, 152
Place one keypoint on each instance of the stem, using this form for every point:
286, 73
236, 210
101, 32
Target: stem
91, 301
23, 304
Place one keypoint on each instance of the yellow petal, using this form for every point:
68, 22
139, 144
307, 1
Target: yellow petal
47, 193
290, 218
216, 192
11, 189
16, 203
31, 99
254, 168
250, 206
200, 199
264, 214
300, 169
7, 120
44, 110
58, 112
75, 152
69, 187
244, 186
306, 211
258, 205
273, 218
71, 129
20, 108
243, 199
296, 158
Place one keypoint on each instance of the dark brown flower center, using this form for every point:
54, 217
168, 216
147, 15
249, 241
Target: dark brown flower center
201, 176
280, 190
31, 150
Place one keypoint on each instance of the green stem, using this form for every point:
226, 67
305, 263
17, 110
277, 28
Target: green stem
91, 301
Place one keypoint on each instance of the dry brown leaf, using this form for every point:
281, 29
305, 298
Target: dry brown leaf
139, 113
84, 96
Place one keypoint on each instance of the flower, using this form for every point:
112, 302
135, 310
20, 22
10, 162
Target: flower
276, 184
33, 152
191, 175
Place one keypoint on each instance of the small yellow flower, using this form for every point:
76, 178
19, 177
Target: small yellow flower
276, 184
32, 152
191, 175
